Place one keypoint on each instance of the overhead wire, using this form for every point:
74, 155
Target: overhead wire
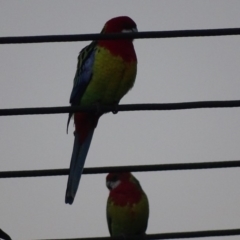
116, 36
134, 168
176, 235
121, 108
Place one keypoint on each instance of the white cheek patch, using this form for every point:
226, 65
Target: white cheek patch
126, 30
115, 184
129, 30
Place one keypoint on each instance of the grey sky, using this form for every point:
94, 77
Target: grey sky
169, 70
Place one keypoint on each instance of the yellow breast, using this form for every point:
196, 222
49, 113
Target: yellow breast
112, 78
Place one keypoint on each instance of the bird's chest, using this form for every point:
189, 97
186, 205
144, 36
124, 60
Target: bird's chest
112, 77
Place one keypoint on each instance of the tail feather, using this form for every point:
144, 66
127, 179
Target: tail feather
79, 155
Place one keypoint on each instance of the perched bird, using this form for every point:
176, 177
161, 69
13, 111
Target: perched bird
106, 71
127, 205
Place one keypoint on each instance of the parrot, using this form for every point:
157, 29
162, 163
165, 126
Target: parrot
127, 205
106, 71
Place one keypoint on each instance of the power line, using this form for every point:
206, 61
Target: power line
121, 108
114, 36
135, 168
196, 234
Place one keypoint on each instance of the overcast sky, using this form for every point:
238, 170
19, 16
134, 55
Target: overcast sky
169, 70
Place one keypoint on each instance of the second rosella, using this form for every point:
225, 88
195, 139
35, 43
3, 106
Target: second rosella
106, 71
127, 205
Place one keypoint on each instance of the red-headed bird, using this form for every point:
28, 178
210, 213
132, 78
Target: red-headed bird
106, 71
127, 205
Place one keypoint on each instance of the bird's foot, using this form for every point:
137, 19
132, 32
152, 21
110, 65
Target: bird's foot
115, 110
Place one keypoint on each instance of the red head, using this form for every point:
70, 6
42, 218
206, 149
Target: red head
124, 188
120, 24
123, 47
113, 180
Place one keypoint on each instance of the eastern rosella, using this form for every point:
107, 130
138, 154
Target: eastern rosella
127, 205
106, 71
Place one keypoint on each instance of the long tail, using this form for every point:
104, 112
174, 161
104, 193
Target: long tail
79, 155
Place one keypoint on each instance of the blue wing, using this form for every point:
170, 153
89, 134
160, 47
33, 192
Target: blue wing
83, 75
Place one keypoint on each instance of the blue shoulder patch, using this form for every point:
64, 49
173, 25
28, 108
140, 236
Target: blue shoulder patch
83, 76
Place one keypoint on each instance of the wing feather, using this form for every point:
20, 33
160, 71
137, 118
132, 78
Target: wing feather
83, 75
109, 220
